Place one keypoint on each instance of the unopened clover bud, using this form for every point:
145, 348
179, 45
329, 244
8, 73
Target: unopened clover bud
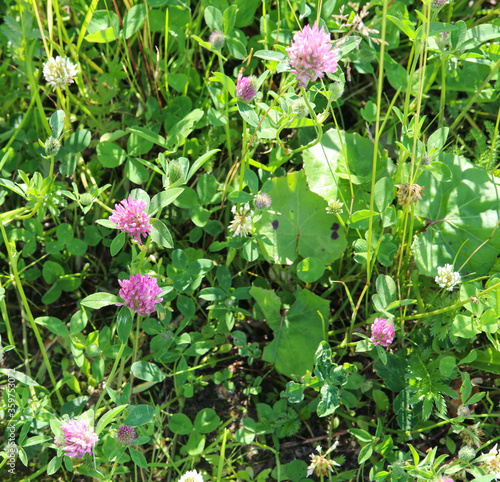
52, 146
463, 411
175, 171
299, 108
217, 39
126, 435
335, 207
337, 89
467, 453
262, 200
246, 87
86, 198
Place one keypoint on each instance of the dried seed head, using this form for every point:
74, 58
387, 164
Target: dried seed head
406, 195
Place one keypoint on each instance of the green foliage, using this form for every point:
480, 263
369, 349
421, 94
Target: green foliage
378, 173
327, 379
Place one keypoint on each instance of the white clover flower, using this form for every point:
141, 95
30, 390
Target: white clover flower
320, 465
492, 464
191, 476
59, 72
447, 278
241, 225
335, 207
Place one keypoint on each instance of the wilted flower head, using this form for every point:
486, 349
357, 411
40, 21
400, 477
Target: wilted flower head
382, 332
126, 435
59, 72
78, 439
217, 39
129, 216
335, 207
262, 200
311, 54
320, 465
467, 453
246, 87
471, 435
447, 278
191, 476
139, 293
492, 463
406, 194
241, 225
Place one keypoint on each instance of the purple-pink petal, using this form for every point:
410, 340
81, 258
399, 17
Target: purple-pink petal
382, 332
77, 439
245, 88
139, 293
130, 217
311, 54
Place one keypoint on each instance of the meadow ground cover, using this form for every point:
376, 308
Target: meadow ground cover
250, 241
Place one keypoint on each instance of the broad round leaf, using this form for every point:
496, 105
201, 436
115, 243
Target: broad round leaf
180, 424
298, 223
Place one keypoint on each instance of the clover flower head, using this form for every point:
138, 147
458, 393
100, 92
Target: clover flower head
311, 54
467, 453
407, 194
320, 465
191, 476
126, 435
78, 439
382, 332
139, 293
335, 207
59, 72
246, 87
262, 200
447, 278
241, 225
492, 464
129, 216
217, 39
445, 479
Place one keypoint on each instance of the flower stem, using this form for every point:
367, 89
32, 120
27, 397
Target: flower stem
135, 349
111, 376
